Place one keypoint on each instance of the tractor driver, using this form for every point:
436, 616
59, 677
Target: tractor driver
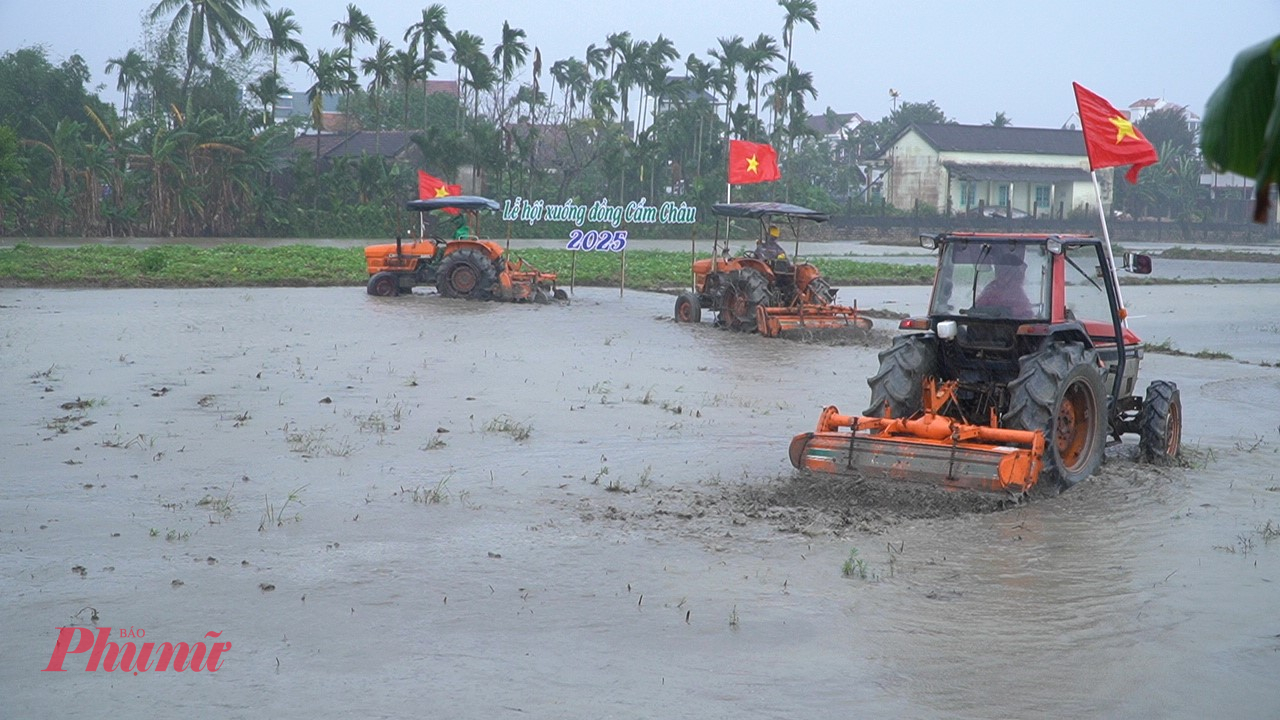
768, 249
1007, 291
465, 220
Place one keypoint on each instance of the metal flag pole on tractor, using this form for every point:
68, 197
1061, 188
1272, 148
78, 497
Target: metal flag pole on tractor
1110, 139
1106, 235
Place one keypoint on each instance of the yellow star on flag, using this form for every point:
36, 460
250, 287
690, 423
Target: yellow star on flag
1123, 128
442, 192
753, 165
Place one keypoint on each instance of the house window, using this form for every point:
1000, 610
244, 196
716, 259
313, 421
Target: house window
1002, 195
1042, 196
967, 199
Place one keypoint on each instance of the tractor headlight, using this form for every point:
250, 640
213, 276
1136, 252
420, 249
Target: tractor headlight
928, 242
1053, 245
947, 329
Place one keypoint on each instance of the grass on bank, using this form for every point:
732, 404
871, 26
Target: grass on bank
306, 266
1181, 253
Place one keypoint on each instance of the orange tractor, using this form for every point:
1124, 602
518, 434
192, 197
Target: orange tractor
764, 290
1018, 375
465, 267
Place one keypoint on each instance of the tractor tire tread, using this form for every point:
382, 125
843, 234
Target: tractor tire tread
751, 285
484, 269
899, 383
1034, 397
1160, 423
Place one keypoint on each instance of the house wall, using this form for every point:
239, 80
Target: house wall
919, 175
916, 174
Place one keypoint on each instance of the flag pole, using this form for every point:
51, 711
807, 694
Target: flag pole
1106, 242
728, 221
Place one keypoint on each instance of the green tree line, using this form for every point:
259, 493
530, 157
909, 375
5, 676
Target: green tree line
195, 148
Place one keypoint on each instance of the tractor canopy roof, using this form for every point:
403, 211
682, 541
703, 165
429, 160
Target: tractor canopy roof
456, 202
766, 210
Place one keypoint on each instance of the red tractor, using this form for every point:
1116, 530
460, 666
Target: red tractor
1021, 370
464, 267
764, 290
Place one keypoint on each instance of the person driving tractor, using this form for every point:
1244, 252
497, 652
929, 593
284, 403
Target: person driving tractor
767, 248
1007, 291
464, 226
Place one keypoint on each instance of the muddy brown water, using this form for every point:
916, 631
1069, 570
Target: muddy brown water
608, 528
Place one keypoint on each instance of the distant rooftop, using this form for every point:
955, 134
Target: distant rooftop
990, 139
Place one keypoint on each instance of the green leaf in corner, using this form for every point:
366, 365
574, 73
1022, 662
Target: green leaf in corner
1241, 128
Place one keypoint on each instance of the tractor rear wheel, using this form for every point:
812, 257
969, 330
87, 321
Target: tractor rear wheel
1160, 423
468, 274
384, 284
744, 291
1059, 392
688, 308
897, 389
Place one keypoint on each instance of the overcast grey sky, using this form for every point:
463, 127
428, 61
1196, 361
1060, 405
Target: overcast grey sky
973, 59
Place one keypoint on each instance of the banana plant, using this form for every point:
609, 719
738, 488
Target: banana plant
1241, 128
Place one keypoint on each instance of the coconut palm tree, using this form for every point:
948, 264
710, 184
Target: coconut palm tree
380, 68
482, 77
598, 58
615, 43
509, 56
215, 22
574, 79
796, 85
603, 95
731, 55
579, 84
425, 33
333, 74
407, 69
356, 26
131, 70
658, 54
266, 90
629, 71
796, 12
466, 45
757, 62
281, 37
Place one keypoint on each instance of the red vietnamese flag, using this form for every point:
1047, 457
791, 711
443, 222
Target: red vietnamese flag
752, 163
430, 186
1109, 137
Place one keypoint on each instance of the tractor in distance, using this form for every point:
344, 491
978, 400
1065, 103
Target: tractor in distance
763, 290
464, 266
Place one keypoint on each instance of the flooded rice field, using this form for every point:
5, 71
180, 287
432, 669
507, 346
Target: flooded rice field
393, 506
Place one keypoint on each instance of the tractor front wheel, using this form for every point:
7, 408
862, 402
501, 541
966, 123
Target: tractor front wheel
1059, 392
384, 284
744, 291
1160, 423
466, 274
688, 308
